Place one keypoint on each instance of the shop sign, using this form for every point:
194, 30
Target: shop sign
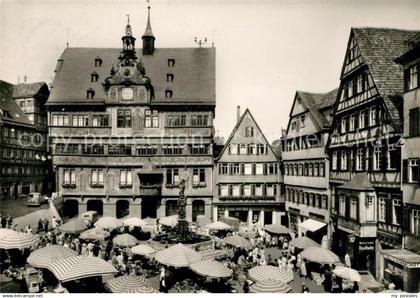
366, 245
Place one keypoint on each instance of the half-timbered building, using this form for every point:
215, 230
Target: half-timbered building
364, 145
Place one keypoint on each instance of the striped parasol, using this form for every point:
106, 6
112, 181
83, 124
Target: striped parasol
277, 229
170, 221
18, 241
143, 250
79, 267
211, 268
74, 226
219, 226
125, 283
94, 234
134, 222
270, 286
260, 273
108, 223
237, 241
125, 240
42, 257
6, 232
144, 290
303, 242
319, 255
178, 256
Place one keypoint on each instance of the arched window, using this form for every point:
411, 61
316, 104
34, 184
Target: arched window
90, 93
168, 93
94, 76
98, 61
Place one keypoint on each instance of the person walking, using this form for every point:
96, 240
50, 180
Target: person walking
283, 262
347, 260
9, 221
303, 272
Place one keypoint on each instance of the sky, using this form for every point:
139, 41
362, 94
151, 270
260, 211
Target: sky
265, 50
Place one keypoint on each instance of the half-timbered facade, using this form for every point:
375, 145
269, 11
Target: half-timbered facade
127, 125
247, 177
365, 138
306, 167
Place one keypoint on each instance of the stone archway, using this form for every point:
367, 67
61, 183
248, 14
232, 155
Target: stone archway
122, 208
198, 208
95, 205
71, 208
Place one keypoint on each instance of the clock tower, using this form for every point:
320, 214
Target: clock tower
128, 82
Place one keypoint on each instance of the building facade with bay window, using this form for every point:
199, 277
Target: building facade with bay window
365, 145
247, 177
127, 125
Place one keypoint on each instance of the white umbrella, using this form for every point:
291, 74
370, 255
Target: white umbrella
125, 240
178, 256
18, 241
219, 226
347, 273
170, 221
134, 222
319, 255
143, 250
108, 223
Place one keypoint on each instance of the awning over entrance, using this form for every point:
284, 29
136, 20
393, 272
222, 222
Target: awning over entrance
403, 257
312, 225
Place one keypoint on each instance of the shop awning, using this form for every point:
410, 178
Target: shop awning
403, 257
312, 225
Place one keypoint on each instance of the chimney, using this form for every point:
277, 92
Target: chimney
238, 113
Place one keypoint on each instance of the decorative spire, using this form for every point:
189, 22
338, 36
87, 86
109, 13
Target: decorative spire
148, 32
128, 27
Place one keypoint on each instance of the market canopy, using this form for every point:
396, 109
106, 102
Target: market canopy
212, 269
79, 267
237, 241
125, 240
6, 232
143, 250
18, 241
95, 234
261, 273
303, 242
219, 226
319, 255
277, 229
126, 283
74, 226
270, 286
108, 223
312, 225
347, 273
42, 257
134, 222
178, 256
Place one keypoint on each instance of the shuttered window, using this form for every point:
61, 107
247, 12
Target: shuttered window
414, 122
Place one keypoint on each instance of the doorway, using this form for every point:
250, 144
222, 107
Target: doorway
95, 205
149, 207
122, 208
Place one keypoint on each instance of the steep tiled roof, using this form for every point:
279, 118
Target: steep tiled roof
27, 90
316, 102
194, 74
379, 48
359, 182
10, 111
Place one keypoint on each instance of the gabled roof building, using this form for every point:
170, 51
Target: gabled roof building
248, 181
306, 165
365, 139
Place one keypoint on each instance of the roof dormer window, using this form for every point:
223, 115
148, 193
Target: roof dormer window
90, 93
98, 62
171, 62
169, 77
94, 77
168, 93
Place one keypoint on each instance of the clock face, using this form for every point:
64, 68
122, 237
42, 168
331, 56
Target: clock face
127, 72
127, 94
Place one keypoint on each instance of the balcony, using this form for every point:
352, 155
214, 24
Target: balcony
378, 179
349, 224
390, 228
151, 190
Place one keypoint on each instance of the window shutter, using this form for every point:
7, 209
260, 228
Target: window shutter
219, 191
398, 158
253, 169
383, 159
366, 118
388, 211
407, 79
405, 170
414, 122
347, 213
242, 169
358, 209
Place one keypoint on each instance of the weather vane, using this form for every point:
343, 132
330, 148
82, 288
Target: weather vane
128, 18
